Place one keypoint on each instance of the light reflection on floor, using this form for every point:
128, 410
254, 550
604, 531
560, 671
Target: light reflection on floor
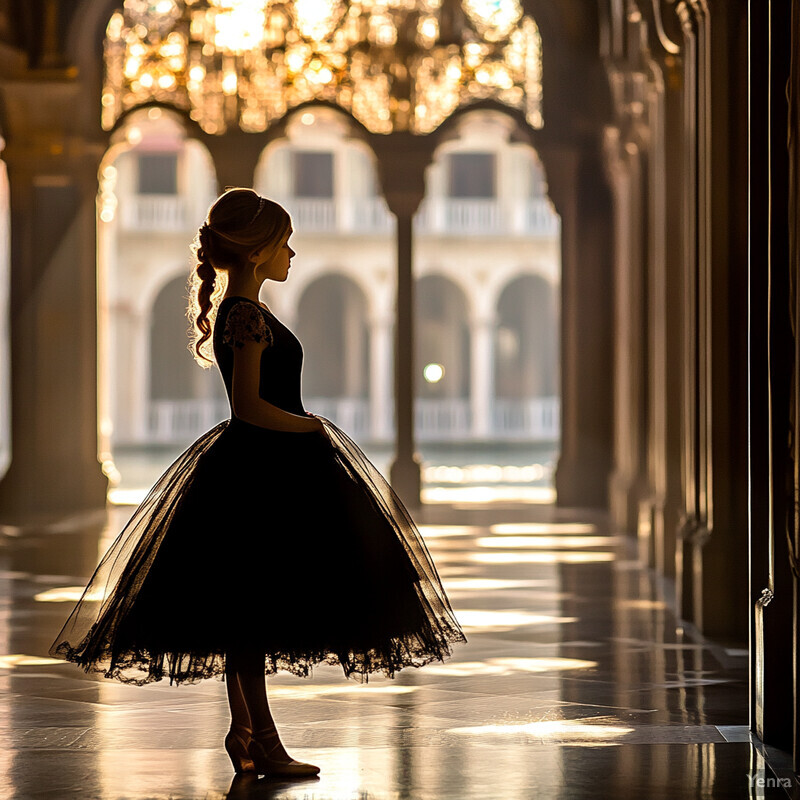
557, 692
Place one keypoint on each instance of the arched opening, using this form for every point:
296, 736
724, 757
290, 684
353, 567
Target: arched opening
171, 373
184, 401
332, 325
443, 360
487, 226
526, 361
155, 188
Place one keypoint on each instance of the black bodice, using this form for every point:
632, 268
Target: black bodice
281, 361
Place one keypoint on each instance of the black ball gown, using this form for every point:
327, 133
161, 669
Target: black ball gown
289, 543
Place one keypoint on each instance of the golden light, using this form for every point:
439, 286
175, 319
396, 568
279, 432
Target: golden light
433, 373
505, 620
546, 541
314, 691
134, 135
184, 53
70, 594
486, 495
543, 557
229, 83
555, 729
509, 665
517, 528
438, 531
22, 660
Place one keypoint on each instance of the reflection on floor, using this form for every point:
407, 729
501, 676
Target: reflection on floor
574, 683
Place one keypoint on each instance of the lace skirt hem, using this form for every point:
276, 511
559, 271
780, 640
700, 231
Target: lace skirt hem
143, 667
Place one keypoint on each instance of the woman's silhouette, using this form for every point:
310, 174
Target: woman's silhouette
271, 543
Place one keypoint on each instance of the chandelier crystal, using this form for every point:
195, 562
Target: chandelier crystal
393, 64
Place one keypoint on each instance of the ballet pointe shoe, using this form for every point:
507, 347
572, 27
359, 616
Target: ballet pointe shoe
237, 749
263, 745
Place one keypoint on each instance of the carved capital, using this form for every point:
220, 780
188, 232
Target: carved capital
402, 160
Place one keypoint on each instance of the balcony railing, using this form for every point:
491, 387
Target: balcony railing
179, 421
154, 212
442, 419
371, 214
486, 217
313, 215
350, 414
537, 419
354, 216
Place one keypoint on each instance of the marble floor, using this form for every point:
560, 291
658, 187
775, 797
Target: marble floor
575, 683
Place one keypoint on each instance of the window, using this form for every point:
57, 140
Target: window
158, 173
313, 173
472, 175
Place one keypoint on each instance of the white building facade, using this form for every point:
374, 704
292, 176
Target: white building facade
487, 263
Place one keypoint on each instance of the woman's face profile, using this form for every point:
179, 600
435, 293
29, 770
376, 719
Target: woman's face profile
271, 264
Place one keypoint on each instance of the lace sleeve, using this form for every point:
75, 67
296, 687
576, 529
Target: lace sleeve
245, 323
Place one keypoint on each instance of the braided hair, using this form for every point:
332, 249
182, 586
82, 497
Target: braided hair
239, 222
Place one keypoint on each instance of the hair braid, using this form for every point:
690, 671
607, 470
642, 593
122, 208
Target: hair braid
204, 291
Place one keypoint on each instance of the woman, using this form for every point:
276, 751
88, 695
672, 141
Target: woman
271, 543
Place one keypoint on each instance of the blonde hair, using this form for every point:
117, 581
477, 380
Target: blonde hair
239, 222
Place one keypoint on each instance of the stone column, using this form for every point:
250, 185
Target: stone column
580, 195
482, 375
628, 487
402, 159
380, 360
53, 187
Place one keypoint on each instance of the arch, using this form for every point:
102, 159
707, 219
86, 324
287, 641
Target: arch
332, 324
340, 194
171, 367
486, 179
155, 185
526, 350
442, 338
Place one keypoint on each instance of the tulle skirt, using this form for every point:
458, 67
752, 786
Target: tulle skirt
290, 544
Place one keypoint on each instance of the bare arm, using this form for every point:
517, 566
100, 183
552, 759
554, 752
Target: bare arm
250, 407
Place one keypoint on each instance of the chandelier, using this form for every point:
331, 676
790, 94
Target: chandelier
393, 64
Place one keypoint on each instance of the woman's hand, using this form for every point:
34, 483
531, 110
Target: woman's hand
320, 424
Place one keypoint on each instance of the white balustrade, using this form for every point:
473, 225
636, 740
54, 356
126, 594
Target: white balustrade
489, 217
439, 420
370, 215
541, 219
350, 414
436, 216
181, 421
312, 215
154, 212
536, 418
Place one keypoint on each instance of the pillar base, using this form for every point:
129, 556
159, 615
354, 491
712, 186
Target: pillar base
581, 483
29, 492
405, 476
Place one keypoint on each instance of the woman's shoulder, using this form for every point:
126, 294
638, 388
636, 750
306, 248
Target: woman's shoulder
242, 320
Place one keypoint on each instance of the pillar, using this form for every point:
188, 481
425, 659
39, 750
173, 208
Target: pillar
380, 360
628, 486
580, 194
53, 319
482, 375
402, 159
235, 156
